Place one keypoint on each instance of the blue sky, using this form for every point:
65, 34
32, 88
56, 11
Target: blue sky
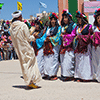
30, 7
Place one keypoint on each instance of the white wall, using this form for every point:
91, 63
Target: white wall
86, 0
91, 19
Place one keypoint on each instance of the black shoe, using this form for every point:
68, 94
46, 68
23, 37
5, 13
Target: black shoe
46, 77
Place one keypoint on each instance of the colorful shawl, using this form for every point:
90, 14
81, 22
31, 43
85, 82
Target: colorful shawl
35, 44
67, 40
54, 40
96, 39
48, 48
40, 41
83, 41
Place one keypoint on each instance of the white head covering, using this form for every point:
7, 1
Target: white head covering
33, 18
16, 15
39, 17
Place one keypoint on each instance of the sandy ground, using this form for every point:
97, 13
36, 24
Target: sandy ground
13, 87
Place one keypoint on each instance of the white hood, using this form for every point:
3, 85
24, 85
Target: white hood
15, 26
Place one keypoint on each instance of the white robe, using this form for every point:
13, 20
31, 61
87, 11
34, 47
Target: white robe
83, 64
51, 63
96, 60
21, 37
67, 64
40, 61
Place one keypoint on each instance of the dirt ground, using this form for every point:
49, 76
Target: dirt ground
13, 87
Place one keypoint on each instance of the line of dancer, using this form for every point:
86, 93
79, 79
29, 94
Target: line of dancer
75, 47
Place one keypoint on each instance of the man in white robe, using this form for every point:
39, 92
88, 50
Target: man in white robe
20, 38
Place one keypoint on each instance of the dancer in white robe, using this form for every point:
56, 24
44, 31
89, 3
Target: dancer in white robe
39, 31
96, 46
66, 50
20, 38
50, 42
83, 64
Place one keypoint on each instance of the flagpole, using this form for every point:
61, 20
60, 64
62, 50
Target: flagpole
39, 9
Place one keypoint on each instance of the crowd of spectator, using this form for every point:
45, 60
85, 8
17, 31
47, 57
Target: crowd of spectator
7, 51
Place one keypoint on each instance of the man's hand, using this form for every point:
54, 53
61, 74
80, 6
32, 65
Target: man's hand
32, 30
61, 34
47, 39
36, 35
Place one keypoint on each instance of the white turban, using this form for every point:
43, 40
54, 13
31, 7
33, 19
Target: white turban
16, 15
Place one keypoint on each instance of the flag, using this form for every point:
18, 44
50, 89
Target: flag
1, 4
43, 4
19, 6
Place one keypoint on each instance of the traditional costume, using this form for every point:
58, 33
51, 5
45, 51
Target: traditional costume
82, 46
20, 38
39, 51
50, 42
66, 50
96, 48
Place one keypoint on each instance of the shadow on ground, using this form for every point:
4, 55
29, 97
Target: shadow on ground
24, 87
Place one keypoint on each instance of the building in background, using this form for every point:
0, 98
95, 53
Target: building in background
89, 9
85, 6
44, 13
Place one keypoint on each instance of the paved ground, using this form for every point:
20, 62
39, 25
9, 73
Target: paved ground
13, 87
